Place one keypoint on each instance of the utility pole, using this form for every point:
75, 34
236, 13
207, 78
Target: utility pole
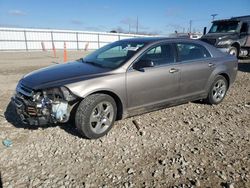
190, 26
137, 25
213, 15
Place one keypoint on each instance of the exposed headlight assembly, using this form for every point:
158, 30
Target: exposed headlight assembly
62, 93
55, 103
67, 94
225, 42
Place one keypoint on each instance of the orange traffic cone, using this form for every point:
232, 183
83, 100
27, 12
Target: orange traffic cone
65, 53
43, 46
86, 46
54, 49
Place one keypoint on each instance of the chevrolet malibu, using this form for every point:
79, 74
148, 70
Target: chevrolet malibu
123, 79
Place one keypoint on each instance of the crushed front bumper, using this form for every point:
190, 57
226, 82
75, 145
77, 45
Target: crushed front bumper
28, 112
42, 107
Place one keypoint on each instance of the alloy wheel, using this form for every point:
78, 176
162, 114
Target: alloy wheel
219, 90
101, 117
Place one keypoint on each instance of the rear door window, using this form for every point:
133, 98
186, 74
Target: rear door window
191, 51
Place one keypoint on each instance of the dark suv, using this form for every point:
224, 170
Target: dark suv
230, 35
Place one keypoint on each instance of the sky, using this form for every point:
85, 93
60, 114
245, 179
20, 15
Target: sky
154, 16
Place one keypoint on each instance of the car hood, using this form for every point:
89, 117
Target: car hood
58, 75
218, 35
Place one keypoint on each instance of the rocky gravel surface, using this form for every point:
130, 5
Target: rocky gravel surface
191, 145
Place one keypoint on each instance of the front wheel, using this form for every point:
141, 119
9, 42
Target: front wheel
233, 51
95, 115
218, 90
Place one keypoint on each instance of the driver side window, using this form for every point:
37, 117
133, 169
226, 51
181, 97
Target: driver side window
160, 55
244, 28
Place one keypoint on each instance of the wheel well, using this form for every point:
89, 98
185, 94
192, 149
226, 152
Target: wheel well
236, 45
226, 77
117, 101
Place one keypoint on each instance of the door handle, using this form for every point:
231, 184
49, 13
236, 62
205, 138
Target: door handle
173, 70
211, 64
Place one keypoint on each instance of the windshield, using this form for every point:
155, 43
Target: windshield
114, 55
224, 27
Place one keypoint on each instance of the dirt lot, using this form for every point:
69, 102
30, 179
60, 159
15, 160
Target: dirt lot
191, 145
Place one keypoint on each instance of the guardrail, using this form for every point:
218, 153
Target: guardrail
23, 39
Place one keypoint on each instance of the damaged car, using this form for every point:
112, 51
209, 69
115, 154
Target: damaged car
123, 79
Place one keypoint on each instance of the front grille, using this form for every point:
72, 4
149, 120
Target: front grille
31, 110
27, 108
24, 90
209, 41
17, 102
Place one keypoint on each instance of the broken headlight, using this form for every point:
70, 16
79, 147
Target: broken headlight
61, 93
54, 103
58, 100
224, 42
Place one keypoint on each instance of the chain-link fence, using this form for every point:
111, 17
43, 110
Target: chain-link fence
22, 39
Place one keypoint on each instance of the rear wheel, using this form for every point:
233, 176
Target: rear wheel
95, 115
218, 90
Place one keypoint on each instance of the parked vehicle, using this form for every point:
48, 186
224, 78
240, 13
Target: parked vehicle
123, 79
195, 35
186, 35
230, 35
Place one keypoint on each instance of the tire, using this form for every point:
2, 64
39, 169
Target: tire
95, 115
233, 51
218, 90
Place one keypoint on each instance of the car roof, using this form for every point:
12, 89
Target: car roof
145, 39
242, 18
157, 39
239, 18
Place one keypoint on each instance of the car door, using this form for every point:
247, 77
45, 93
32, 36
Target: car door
244, 37
196, 67
153, 85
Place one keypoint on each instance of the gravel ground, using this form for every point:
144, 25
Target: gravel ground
191, 145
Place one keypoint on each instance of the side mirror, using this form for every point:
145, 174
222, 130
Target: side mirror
143, 63
204, 30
